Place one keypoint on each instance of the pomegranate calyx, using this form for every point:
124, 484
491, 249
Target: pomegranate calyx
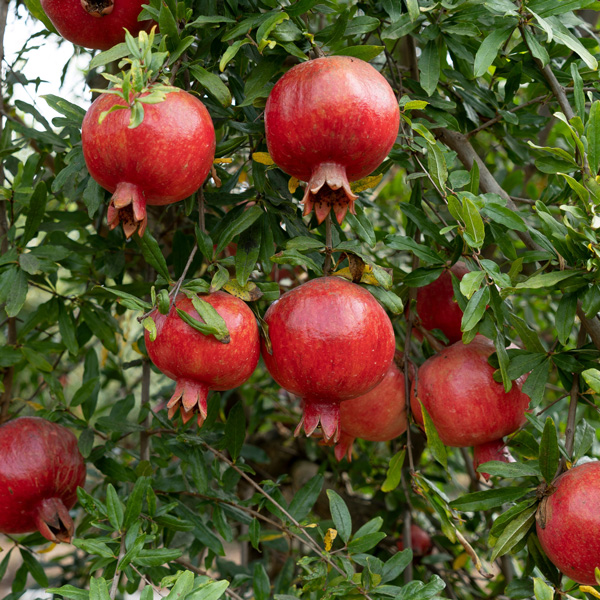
323, 412
54, 521
329, 189
189, 398
344, 447
128, 205
98, 8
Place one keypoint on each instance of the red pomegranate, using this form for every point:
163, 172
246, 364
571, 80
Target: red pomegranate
467, 406
331, 341
98, 24
437, 307
198, 362
494, 450
420, 541
377, 416
330, 121
568, 523
40, 470
163, 160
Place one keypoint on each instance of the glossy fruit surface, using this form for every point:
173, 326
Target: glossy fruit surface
40, 470
331, 341
568, 523
330, 121
494, 450
420, 540
95, 24
467, 406
163, 160
377, 416
200, 363
437, 307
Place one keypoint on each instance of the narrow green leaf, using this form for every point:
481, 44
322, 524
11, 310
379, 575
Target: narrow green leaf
235, 431
114, 507
434, 443
592, 133
565, 316
152, 253
514, 532
542, 590
475, 309
35, 214
34, 567
592, 378
549, 453
509, 470
429, 66
394, 472
305, 498
238, 225
212, 83
248, 250
488, 499
135, 501
340, 515
489, 50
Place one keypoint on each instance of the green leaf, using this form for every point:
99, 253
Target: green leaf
429, 67
542, 590
340, 515
152, 253
473, 223
565, 316
436, 164
212, 83
34, 567
394, 472
71, 592
396, 565
489, 50
66, 326
305, 498
245, 220
98, 589
535, 386
422, 276
114, 508
471, 282
235, 431
364, 52
488, 499
475, 309
509, 470
361, 225
592, 378
213, 590
213, 322
36, 360
504, 216
366, 542
261, 584
248, 250
592, 133
549, 454
434, 443
293, 257
388, 299
156, 557
268, 25
402, 242
94, 547
545, 280
18, 293
537, 50
115, 53
584, 440
514, 532
35, 214
303, 242
135, 501
564, 36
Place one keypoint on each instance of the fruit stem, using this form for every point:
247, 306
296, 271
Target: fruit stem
54, 521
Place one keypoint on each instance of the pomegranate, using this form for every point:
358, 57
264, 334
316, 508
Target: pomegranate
330, 121
198, 362
420, 541
467, 406
494, 450
568, 523
437, 307
97, 24
331, 341
40, 470
377, 416
163, 160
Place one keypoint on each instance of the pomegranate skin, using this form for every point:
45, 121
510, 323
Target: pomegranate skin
377, 416
330, 121
495, 450
331, 341
421, 543
98, 31
437, 307
467, 406
570, 532
200, 363
40, 470
163, 160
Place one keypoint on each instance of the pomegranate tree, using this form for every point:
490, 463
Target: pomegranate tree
97, 24
330, 121
40, 470
331, 341
436, 306
494, 450
377, 416
200, 363
468, 408
568, 523
163, 160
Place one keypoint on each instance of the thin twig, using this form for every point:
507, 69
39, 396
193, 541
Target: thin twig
115, 582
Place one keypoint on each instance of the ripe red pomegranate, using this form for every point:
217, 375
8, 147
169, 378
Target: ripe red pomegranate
437, 307
40, 470
568, 523
98, 24
163, 160
331, 341
421, 543
330, 121
377, 416
198, 362
494, 450
466, 405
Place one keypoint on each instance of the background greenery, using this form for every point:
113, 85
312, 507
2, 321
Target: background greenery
496, 164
